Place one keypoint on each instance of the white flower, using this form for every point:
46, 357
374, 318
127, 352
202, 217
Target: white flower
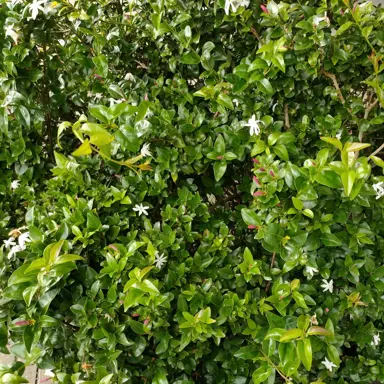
160, 260
310, 270
253, 124
14, 250
234, 4
98, 96
376, 340
35, 7
236, 102
141, 209
49, 373
379, 189
10, 242
116, 49
90, 94
328, 286
211, 198
313, 320
130, 77
228, 4
15, 184
9, 31
328, 364
338, 136
145, 150
23, 239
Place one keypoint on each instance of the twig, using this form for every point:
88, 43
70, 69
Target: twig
335, 84
254, 33
286, 117
377, 150
369, 108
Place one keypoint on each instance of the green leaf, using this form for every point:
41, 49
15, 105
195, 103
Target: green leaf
297, 203
261, 373
3, 335
378, 161
11, 378
106, 379
257, 64
299, 299
23, 116
28, 337
344, 27
250, 217
84, 149
304, 349
97, 133
273, 235
348, 179
307, 193
137, 327
225, 100
219, 145
329, 178
100, 112
330, 240
101, 64
67, 258
190, 58
319, 331
265, 86
333, 141
160, 376
219, 169
291, 334
281, 151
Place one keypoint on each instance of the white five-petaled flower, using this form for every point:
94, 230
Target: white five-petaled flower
23, 239
10, 242
253, 124
328, 364
141, 209
15, 184
327, 285
145, 150
35, 7
338, 135
310, 270
160, 260
130, 77
211, 198
98, 96
379, 189
376, 340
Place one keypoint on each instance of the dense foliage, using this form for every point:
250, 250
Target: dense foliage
192, 191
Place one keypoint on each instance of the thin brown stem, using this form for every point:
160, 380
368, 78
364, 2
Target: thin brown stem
335, 84
378, 150
286, 117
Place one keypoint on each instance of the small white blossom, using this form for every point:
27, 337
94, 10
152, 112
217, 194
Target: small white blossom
23, 239
328, 286
49, 373
35, 7
253, 124
236, 102
313, 320
141, 209
116, 49
211, 198
338, 135
9, 31
160, 260
130, 77
15, 184
328, 364
14, 250
234, 4
145, 150
90, 94
376, 340
98, 96
10, 242
310, 270
379, 189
